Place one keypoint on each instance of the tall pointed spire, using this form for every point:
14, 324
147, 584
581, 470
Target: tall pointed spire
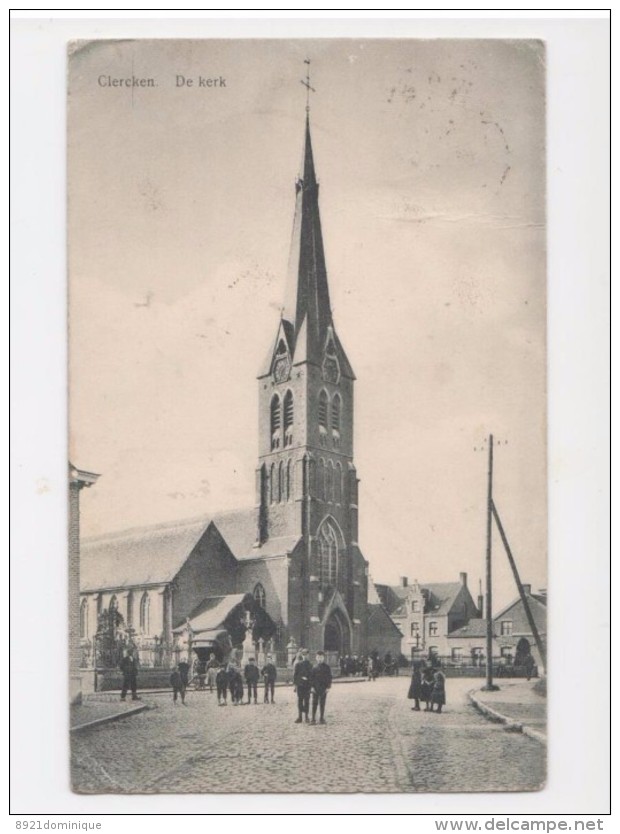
307, 295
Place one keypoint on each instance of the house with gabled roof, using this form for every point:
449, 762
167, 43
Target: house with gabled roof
426, 613
512, 635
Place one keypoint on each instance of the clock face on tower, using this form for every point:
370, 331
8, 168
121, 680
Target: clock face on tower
281, 369
331, 370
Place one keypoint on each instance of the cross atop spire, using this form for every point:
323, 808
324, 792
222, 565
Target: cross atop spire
306, 82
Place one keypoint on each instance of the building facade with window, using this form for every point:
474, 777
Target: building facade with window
296, 550
426, 613
513, 640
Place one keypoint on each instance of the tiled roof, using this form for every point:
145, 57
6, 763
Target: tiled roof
441, 596
140, 556
378, 610
212, 612
539, 600
155, 554
476, 627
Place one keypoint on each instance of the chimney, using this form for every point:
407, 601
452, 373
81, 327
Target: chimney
403, 581
463, 577
527, 588
480, 600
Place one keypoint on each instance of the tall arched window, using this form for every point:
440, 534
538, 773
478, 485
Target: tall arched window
145, 613
273, 484
323, 405
336, 412
289, 480
320, 480
288, 418
338, 484
328, 554
130, 608
84, 619
329, 481
276, 421
260, 596
282, 482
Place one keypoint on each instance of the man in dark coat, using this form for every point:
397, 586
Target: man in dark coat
301, 682
178, 685
235, 685
183, 667
321, 681
251, 675
269, 673
415, 688
129, 668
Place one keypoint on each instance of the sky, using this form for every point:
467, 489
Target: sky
431, 161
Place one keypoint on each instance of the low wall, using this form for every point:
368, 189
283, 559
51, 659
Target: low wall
107, 680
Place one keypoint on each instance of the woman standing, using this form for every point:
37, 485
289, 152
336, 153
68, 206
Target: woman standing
415, 688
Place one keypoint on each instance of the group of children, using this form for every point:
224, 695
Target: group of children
228, 680
428, 684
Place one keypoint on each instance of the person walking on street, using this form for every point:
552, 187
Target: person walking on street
321, 681
221, 684
415, 688
212, 670
178, 687
251, 674
438, 694
269, 673
183, 667
301, 683
129, 668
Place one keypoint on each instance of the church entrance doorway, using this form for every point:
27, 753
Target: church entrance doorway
337, 637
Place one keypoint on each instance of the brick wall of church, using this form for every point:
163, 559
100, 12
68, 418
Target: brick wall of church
272, 573
209, 572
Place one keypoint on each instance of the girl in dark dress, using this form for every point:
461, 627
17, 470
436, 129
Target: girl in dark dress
415, 688
426, 688
438, 694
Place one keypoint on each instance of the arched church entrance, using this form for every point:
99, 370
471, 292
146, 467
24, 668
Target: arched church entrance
337, 637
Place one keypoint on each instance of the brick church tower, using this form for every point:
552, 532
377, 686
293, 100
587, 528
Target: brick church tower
306, 482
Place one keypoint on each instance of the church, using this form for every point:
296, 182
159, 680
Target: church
293, 559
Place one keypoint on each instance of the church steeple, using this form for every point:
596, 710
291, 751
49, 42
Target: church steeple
307, 304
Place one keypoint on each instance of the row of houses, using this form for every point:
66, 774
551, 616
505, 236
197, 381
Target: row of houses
442, 618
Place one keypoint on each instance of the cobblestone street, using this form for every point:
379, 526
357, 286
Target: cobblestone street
372, 742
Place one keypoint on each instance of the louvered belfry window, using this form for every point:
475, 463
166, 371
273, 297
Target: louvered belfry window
336, 409
288, 418
276, 419
323, 410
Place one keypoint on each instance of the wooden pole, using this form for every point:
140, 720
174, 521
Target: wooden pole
490, 686
515, 573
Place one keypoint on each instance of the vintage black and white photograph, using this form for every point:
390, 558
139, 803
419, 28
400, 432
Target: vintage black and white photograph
307, 416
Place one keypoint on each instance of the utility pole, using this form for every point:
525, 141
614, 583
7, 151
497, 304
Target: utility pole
526, 606
489, 686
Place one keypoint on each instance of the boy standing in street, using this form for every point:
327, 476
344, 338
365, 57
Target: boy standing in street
321, 681
269, 673
251, 679
301, 682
